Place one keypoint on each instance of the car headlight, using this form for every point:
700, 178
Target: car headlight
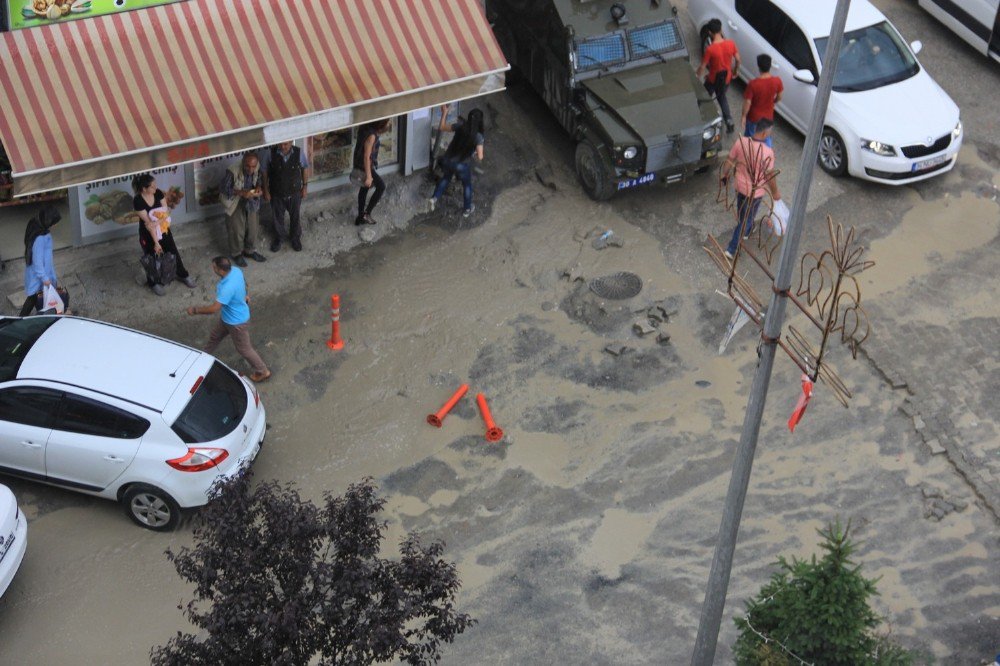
957, 132
712, 131
630, 153
877, 147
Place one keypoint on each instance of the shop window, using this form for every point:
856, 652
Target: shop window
332, 153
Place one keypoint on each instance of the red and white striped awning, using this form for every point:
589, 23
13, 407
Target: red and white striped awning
91, 99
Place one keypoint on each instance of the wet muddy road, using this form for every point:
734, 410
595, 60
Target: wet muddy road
586, 535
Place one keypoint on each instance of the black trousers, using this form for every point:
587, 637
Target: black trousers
168, 245
292, 204
379, 186
719, 88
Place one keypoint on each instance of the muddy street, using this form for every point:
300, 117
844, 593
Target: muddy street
586, 535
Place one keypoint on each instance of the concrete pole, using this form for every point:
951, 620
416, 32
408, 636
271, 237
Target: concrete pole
722, 562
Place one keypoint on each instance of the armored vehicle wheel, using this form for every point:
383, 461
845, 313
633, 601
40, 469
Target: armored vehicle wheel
593, 171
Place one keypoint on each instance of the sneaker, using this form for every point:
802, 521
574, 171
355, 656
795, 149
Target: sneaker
296, 245
255, 255
189, 282
240, 261
469, 211
359, 220
369, 219
730, 128
728, 254
159, 290
431, 203
275, 245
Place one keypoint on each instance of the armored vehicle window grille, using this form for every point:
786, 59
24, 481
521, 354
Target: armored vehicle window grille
600, 52
657, 38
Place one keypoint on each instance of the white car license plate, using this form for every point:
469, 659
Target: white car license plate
5, 548
927, 164
634, 182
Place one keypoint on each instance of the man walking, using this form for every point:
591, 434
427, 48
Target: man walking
232, 300
760, 96
285, 185
719, 60
240, 194
753, 163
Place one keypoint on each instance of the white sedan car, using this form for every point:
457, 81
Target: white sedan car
123, 415
888, 120
13, 537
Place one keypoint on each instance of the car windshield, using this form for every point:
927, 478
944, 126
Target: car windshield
16, 339
656, 38
216, 408
871, 58
600, 52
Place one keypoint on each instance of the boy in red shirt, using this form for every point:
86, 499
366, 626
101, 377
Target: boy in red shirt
760, 96
718, 60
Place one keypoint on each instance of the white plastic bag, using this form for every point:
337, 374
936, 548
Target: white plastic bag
51, 300
778, 220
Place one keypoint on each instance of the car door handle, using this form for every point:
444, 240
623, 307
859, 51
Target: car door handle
31, 445
733, 26
116, 459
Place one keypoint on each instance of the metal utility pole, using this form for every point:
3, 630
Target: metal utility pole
722, 562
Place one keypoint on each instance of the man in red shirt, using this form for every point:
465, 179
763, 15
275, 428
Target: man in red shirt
718, 60
760, 96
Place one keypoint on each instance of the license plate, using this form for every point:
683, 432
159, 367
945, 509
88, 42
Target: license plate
927, 164
6, 547
635, 182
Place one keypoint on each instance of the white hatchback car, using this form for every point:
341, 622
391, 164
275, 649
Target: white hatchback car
123, 415
13, 537
888, 120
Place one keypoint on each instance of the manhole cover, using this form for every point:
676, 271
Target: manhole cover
617, 286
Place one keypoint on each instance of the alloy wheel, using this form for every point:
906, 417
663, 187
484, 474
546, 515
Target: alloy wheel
150, 510
831, 153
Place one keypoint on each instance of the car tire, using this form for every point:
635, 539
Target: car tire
832, 153
151, 508
593, 171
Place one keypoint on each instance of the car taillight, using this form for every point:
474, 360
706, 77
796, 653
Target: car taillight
198, 459
196, 384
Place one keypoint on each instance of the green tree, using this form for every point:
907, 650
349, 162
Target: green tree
816, 612
279, 580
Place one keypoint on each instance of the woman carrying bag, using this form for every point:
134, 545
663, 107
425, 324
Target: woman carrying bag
155, 237
466, 145
39, 269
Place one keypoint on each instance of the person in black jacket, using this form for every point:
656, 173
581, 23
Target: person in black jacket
285, 183
366, 161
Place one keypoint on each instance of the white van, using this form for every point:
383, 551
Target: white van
975, 21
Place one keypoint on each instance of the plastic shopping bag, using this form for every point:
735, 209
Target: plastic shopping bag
161, 216
52, 300
778, 220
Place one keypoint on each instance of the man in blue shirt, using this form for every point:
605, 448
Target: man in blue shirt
233, 301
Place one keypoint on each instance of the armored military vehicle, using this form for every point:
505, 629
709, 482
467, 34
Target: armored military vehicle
617, 76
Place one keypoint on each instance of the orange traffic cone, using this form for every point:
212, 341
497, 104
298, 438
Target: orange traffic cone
438, 417
335, 343
493, 433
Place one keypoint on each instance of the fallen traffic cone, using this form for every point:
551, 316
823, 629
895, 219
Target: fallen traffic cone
493, 433
335, 343
438, 417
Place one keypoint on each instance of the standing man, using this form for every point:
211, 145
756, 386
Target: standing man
760, 96
232, 299
285, 184
753, 163
719, 60
240, 194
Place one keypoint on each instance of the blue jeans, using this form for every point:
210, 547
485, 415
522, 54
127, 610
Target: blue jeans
463, 171
746, 209
751, 128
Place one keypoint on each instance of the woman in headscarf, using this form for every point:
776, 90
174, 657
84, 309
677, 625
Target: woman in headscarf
39, 270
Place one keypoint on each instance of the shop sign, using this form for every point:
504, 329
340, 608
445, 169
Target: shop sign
33, 13
106, 205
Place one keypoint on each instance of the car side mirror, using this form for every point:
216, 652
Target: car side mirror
804, 75
915, 46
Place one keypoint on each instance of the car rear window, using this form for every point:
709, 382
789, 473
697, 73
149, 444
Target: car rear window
16, 339
216, 408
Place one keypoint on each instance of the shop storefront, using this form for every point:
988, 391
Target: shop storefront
189, 127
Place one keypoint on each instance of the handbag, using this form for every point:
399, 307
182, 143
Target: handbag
160, 269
